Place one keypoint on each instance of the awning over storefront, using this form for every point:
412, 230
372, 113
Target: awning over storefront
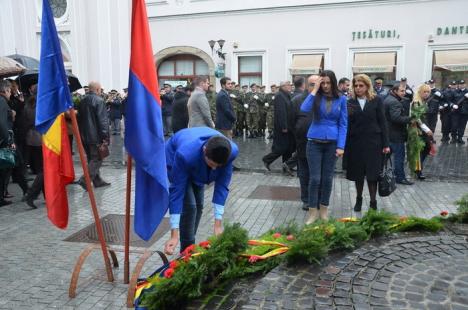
374, 62
452, 60
306, 64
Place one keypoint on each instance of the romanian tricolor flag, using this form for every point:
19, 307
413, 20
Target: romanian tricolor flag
144, 138
53, 99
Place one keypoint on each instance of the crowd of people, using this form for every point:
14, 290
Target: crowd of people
312, 122
97, 113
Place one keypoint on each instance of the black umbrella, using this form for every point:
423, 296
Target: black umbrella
30, 77
28, 62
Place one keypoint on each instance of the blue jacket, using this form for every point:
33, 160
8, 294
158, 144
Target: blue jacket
331, 126
186, 162
225, 116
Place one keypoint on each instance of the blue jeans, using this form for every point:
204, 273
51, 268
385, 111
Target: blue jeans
321, 158
398, 151
191, 214
303, 174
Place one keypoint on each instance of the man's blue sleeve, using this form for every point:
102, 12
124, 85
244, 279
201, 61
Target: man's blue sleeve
306, 106
221, 189
179, 178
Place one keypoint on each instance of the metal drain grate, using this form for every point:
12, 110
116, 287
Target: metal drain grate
114, 230
287, 193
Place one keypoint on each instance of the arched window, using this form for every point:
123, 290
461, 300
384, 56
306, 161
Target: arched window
181, 68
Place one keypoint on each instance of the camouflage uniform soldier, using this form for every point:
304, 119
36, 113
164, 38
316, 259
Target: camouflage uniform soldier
253, 100
270, 108
236, 103
211, 95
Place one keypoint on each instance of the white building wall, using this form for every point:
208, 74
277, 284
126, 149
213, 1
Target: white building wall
98, 32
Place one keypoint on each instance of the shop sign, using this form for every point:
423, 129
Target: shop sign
296, 71
372, 69
375, 34
452, 30
174, 84
454, 68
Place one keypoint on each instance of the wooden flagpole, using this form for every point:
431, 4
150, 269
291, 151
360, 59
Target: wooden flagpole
84, 164
127, 221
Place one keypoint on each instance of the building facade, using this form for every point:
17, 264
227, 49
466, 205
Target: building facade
262, 41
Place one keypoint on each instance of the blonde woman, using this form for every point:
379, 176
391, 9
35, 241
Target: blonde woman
420, 137
367, 140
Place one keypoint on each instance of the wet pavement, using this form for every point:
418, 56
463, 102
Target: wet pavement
414, 272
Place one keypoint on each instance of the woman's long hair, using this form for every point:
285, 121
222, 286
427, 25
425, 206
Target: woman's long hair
417, 96
364, 78
318, 97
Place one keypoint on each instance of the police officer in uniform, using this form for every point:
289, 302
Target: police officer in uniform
445, 111
434, 102
461, 101
408, 92
270, 109
253, 100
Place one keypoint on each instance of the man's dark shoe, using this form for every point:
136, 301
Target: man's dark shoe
287, 170
373, 205
5, 203
405, 182
453, 141
358, 205
445, 139
420, 175
234, 168
30, 203
102, 184
460, 141
82, 184
267, 165
305, 206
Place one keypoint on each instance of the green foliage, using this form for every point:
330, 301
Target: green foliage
201, 273
310, 245
462, 211
377, 223
415, 143
347, 236
419, 224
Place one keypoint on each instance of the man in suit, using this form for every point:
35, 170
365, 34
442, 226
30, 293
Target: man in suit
225, 117
283, 138
198, 105
398, 119
195, 157
379, 89
5, 141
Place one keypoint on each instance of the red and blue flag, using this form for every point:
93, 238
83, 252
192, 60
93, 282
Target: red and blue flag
144, 137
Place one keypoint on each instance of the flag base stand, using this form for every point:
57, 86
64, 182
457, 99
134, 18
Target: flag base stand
136, 273
79, 263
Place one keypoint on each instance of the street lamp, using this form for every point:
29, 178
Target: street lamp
218, 51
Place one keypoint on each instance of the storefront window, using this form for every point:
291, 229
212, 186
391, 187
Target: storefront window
250, 70
376, 64
449, 65
181, 68
306, 65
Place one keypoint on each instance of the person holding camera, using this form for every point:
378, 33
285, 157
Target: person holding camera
326, 140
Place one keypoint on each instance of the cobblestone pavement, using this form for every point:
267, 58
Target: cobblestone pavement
36, 264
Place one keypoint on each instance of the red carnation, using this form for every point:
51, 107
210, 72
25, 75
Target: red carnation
174, 264
169, 273
444, 213
204, 244
187, 258
290, 237
276, 235
188, 250
254, 258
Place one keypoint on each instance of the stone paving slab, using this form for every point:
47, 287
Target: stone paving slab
36, 263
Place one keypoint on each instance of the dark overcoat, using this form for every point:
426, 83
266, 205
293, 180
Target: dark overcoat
283, 119
367, 136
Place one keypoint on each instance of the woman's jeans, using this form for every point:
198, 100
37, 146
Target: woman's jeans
321, 158
191, 214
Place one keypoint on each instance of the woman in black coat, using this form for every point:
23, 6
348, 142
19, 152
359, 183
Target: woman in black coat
367, 139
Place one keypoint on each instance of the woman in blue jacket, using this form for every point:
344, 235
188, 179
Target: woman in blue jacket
326, 141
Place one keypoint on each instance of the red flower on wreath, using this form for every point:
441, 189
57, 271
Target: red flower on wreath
187, 257
444, 213
290, 237
174, 264
204, 244
276, 235
254, 258
188, 250
169, 273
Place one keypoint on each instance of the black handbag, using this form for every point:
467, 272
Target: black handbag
387, 181
7, 158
